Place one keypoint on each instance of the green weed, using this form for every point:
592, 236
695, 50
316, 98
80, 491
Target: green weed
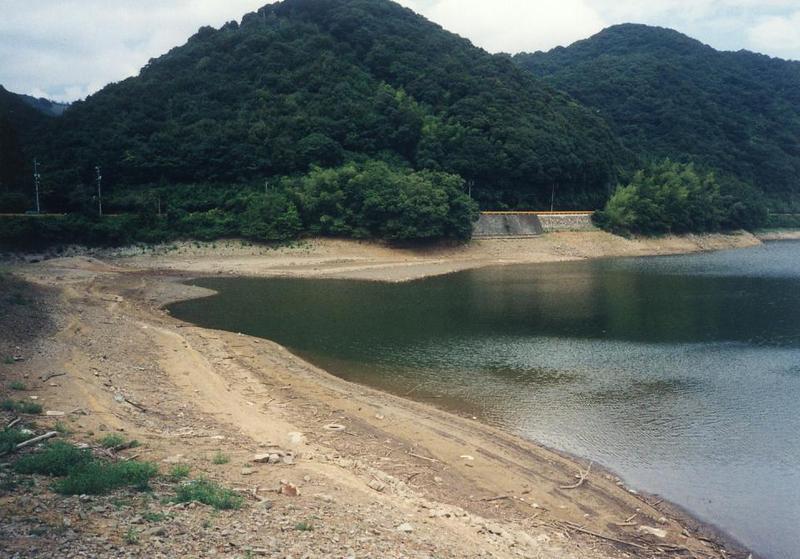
100, 477
57, 459
220, 458
21, 407
17, 385
209, 493
179, 472
131, 537
11, 438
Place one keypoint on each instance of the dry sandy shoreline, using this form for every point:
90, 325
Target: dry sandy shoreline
464, 489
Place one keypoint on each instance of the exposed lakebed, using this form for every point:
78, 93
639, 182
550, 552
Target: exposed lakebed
682, 374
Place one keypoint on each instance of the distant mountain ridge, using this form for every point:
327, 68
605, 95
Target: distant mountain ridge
667, 95
45, 106
321, 82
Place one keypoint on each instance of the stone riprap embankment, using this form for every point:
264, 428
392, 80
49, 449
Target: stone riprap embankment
530, 224
567, 221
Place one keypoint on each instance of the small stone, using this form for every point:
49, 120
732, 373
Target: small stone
657, 532
156, 531
377, 485
288, 460
295, 439
289, 490
54, 413
406, 528
248, 471
274, 459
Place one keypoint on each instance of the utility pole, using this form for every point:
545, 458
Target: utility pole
553, 199
36, 178
99, 191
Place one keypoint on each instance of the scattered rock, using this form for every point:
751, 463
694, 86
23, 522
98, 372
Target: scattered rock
156, 531
377, 485
177, 459
334, 427
406, 528
54, 413
295, 439
657, 532
248, 471
289, 489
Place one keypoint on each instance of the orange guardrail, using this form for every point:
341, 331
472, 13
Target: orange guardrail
569, 212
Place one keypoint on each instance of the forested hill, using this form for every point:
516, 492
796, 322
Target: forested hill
667, 95
322, 82
18, 121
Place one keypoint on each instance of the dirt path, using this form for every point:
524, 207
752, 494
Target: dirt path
379, 476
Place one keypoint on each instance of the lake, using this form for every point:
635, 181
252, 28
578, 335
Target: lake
681, 374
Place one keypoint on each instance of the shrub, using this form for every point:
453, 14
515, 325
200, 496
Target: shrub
21, 407
179, 472
220, 458
209, 493
57, 459
10, 438
112, 440
99, 477
670, 197
17, 385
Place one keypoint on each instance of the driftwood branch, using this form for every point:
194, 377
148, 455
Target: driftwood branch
576, 528
135, 405
432, 460
13, 422
582, 477
52, 376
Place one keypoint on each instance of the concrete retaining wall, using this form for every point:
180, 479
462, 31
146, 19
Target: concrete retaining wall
508, 225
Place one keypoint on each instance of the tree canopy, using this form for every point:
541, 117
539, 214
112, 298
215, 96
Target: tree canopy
667, 95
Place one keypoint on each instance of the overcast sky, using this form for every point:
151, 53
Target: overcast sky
67, 49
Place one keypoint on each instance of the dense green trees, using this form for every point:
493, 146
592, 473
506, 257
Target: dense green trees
366, 200
670, 197
306, 83
667, 95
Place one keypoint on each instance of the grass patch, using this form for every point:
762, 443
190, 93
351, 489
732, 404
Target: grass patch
8, 360
115, 440
209, 493
99, 477
82, 473
57, 459
11, 438
304, 527
154, 516
179, 472
17, 385
131, 537
220, 458
62, 428
21, 407
111, 441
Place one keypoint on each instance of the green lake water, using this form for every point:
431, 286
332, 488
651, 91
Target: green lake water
681, 374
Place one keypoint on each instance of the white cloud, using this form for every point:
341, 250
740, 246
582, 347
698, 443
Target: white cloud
777, 34
514, 25
66, 49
